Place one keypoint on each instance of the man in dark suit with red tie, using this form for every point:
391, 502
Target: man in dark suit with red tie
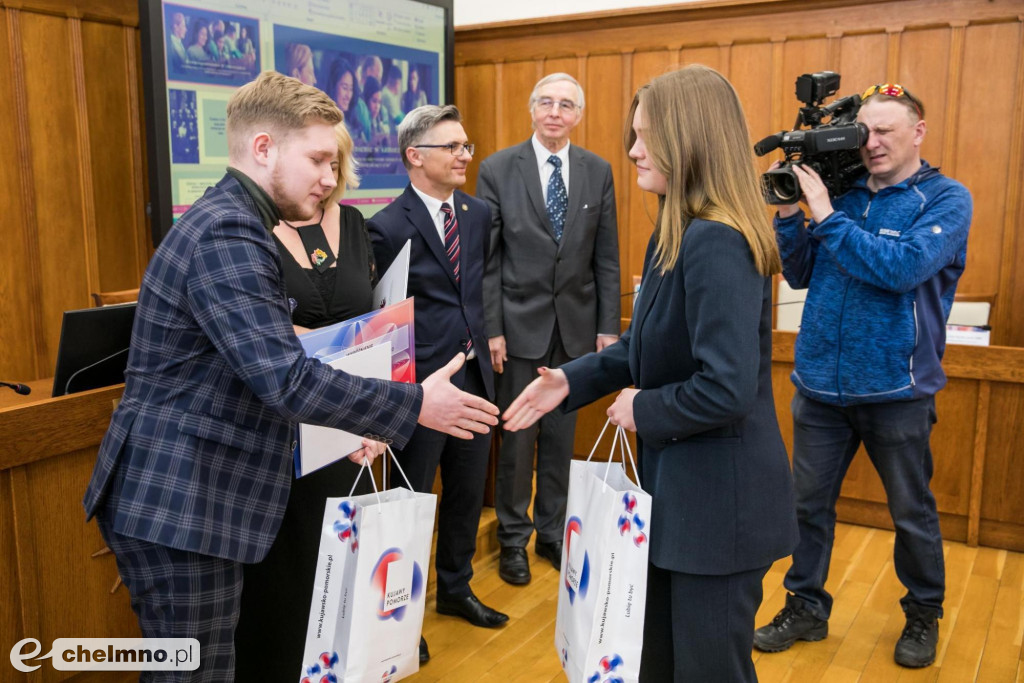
448, 231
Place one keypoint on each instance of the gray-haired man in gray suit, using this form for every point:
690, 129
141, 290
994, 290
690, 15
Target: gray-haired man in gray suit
551, 294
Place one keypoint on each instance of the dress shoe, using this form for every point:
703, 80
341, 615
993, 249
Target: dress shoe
424, 652
472, 610
551, 552
514, 566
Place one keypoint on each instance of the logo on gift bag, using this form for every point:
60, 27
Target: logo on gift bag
629, 520
577, 568
398, 581
324, 665
607, 665
346, 528
387, 675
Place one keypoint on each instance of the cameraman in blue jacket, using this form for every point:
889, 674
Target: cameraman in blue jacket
881, 267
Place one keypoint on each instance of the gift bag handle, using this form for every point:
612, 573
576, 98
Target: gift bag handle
624, 448
373, 481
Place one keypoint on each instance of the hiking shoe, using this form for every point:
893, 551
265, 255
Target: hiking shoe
791, 624
916, 646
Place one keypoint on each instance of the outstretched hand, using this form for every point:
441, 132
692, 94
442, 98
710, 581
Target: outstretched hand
540, 397
453, 411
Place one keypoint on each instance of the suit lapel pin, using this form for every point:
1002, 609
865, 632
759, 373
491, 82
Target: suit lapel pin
586, 205
465, 208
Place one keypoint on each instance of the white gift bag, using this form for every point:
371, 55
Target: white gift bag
368, 596
603, 583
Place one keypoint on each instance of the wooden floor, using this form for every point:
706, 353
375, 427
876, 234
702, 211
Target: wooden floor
979, 638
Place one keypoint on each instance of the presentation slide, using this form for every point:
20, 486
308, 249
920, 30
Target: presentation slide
377, 60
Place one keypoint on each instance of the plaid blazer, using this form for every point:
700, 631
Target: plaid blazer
216, 381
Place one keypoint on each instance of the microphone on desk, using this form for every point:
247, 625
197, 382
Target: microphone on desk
22, 389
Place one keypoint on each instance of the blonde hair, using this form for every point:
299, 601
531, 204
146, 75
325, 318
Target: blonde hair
347, 174
278, 104
696, 136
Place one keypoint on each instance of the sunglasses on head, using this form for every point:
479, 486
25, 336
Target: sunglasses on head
893, 90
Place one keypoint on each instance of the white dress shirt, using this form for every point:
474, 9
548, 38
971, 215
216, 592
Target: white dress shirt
547, 169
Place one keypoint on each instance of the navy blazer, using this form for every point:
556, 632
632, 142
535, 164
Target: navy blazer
712, 458
445, 310
216, 381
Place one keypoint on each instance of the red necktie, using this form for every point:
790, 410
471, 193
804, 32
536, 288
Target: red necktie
451, 247
451, 238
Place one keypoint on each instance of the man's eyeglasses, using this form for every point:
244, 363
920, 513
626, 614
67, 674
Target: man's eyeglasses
893, 90
564, 106
456, 148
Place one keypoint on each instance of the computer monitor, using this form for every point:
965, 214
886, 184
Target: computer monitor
93, 349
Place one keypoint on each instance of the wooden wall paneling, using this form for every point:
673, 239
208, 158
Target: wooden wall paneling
19, 279
730, 21
111, 11
114, 170
85, 170
57, 175
862, 61
982, 156
25, 548
643, 206
958, 407
517, 81
708, 55
953, 82
476, 96
604, 117
752, 74
575, 67
927, 71
59, 481
626, 193
10, 606
133, 43
978, 461
1008, 329
1003, 499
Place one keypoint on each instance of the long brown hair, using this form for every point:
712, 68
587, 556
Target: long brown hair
696, 136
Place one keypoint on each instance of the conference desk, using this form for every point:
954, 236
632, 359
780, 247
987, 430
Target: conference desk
50, 586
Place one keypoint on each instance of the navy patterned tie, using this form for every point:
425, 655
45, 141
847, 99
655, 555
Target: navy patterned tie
451, 247
558, 200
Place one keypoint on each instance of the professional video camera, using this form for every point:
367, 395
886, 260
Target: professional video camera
832, 149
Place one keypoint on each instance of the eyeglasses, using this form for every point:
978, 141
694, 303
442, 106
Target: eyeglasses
893, 90
564, 106
456, 148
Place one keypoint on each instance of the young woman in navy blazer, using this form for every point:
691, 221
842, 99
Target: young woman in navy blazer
698, 353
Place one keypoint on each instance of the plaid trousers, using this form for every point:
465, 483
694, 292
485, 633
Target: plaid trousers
180, 594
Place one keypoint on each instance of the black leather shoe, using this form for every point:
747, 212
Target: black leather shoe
472, 610
424, 652
514, 566
551, 552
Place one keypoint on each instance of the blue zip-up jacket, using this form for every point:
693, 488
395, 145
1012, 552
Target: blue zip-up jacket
880, 273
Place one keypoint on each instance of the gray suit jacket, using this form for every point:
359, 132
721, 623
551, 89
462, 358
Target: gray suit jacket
531, 280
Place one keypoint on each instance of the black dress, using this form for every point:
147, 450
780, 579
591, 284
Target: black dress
276, 593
